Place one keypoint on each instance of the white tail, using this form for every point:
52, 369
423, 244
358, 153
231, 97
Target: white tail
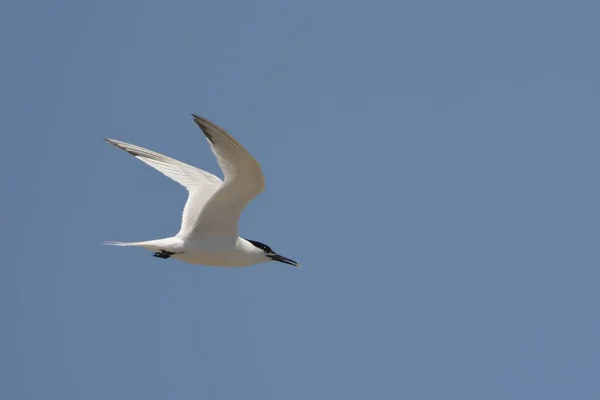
152, 245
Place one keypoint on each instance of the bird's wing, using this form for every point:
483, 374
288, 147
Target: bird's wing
200, 184
243, 181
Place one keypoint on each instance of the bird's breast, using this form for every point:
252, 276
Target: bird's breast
218, 253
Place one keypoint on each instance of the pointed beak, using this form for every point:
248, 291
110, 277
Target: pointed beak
277, 257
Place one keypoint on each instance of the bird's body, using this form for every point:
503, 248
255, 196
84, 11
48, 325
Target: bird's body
209, 226
218, 252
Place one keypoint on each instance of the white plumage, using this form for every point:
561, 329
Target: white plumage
209, 225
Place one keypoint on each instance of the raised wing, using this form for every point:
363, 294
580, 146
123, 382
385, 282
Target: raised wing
200, 184
243, 181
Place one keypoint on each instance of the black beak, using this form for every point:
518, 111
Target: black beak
277, 257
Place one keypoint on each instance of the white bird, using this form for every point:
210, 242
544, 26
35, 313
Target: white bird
209, 226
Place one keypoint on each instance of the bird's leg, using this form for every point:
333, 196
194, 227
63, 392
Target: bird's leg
163, 254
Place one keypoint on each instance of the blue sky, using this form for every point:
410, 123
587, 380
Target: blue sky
434, 166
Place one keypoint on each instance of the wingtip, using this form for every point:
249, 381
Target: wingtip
112, 142
204, 126
199, 120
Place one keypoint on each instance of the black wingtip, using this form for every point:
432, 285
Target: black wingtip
198, 119
119, 146
202, 124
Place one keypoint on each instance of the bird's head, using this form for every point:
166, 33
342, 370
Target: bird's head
270, 255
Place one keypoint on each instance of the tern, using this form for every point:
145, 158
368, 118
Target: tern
209, 225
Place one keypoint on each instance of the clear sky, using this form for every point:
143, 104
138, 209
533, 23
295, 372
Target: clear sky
434, 165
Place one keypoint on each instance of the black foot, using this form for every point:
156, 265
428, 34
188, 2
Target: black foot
163, 254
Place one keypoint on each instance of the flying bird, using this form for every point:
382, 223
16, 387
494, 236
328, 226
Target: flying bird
209, 225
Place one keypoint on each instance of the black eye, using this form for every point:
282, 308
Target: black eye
261, 246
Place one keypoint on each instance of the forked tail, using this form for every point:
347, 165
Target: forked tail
152, 245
